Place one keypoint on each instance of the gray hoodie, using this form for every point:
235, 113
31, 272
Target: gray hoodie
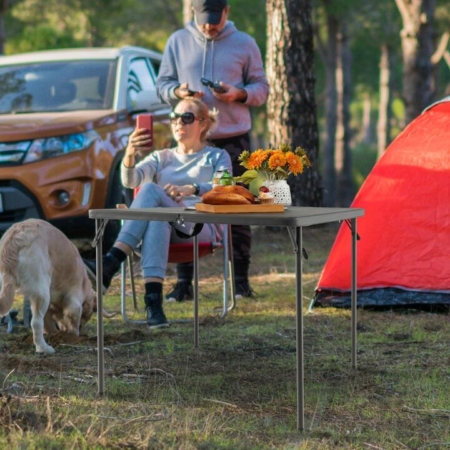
232, 57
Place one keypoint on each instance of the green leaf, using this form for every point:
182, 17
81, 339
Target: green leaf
247, 177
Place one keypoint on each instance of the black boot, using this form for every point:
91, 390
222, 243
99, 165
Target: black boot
183, 289
155, 314
111, 266
243, 288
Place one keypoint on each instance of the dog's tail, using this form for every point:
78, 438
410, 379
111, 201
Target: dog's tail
9, 256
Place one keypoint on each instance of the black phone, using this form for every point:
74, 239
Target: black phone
214, 85
189, 91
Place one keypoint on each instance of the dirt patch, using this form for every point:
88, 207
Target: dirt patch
54, 339
62, 337
123, 338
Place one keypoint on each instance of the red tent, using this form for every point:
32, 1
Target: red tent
404, 246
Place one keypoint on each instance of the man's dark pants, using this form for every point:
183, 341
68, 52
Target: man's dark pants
241, 234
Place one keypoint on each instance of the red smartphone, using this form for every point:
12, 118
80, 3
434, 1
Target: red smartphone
145, 121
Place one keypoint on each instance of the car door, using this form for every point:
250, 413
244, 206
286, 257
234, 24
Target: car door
142, 97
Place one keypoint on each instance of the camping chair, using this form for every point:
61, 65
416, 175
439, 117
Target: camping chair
179, 253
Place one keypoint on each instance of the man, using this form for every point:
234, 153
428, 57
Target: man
210, 47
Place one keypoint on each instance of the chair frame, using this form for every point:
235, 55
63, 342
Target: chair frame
229, 287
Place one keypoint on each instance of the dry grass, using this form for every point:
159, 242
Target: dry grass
238, 390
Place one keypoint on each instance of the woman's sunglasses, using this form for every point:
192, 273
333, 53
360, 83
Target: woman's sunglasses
186, 118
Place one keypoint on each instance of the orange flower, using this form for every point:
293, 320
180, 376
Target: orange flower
273, 163
277, 160
294, 162
256, 159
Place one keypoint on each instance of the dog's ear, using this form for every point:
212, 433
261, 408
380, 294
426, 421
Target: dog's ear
95, 301
89, 306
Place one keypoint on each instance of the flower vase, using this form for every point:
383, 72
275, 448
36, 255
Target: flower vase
280, 190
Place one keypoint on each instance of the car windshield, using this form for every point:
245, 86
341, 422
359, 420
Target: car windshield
57, 86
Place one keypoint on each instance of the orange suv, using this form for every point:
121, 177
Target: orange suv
65, 118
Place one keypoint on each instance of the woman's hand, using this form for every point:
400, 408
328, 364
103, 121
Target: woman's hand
139, 141
178, 193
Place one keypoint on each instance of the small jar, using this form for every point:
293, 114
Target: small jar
226, 179
216, 178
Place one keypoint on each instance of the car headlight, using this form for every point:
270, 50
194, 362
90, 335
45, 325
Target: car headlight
12, 152
59, 145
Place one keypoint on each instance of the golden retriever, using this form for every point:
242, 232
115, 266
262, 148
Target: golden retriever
47, 267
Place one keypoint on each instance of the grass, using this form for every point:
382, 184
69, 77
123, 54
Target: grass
238, 390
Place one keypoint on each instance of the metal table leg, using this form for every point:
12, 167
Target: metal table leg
99, 229
196, 332
229, 285
299, 328
354, 295
226, 274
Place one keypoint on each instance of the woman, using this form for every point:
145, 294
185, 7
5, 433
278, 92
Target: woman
167, 178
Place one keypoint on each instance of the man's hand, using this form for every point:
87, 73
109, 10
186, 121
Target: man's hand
183, 91
232, 94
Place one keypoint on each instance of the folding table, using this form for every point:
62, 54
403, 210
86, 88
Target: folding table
293, 218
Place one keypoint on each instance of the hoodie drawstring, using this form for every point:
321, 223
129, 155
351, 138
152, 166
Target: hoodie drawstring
212, 61
204, 58
205, 48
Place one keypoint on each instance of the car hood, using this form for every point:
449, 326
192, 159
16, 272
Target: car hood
18, 127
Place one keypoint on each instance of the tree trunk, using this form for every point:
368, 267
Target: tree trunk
187, 11
4, 4
328, 167
291, 107
366, 120
384, 111
417, 48
438, 55
343, 160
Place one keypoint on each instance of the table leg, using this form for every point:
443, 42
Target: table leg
354, 295
299, 329
196, 326
226, 269
99, 268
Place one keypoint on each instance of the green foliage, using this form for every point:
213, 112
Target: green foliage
364, 158
250, 16
91, 23
41, 37
398, 108
114, 22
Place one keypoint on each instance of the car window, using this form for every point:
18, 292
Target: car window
156, 65
57, 86
141, 77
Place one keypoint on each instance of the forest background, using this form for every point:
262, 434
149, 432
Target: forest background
346, 76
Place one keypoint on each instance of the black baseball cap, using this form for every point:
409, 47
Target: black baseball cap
208, 11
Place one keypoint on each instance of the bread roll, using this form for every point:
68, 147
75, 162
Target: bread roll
224, 198
235, 189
